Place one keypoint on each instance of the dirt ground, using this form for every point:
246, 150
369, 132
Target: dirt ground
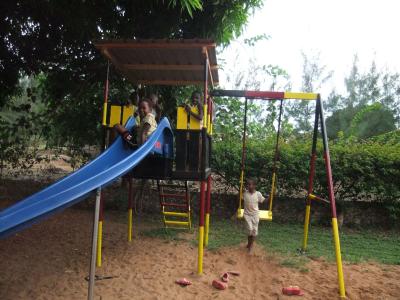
51, 259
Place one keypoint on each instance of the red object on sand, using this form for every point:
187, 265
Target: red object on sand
219, 285
183, 282
225, 277
292, 291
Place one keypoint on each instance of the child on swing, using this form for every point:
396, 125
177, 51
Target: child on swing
251, 199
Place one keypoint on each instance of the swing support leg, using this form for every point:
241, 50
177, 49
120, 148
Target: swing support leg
335, 230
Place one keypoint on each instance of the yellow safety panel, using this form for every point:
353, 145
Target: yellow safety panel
265, 215
181, 118
194, 124
301, 96
129, 110
115, 115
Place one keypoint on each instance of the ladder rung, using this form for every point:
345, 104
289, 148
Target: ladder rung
173, 204
175, 214
178, 223
172, 186
180, 196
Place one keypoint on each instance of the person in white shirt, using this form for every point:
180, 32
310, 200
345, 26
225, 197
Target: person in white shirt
251, 199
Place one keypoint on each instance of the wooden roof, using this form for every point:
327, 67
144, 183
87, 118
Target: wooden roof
162, 62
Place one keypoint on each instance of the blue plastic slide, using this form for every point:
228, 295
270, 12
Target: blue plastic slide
117, 160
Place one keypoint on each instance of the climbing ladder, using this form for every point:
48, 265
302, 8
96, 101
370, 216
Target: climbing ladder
175, 205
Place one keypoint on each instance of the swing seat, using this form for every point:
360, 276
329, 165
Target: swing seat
265, 215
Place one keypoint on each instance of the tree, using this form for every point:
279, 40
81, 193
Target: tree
55, 39
372, 120
370, 106
314, 76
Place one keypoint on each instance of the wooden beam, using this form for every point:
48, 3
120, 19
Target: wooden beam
157, 45
166, 67
205, 53
168, 82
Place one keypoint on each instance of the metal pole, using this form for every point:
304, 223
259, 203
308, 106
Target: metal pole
100, 230
205, 89
208, 209
243, 155
104, 121
106, 142
92, 271
335, 230
201, 227
130, 206
276, 157
311, 177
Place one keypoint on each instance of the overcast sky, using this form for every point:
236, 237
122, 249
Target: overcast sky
337, 29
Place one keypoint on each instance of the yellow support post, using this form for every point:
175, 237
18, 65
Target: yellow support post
99, 243
271, 195
130, 224
306, 225
105, 114
200, 251
338, 253
207, 229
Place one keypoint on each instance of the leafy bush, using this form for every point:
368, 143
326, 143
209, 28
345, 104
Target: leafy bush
362, 170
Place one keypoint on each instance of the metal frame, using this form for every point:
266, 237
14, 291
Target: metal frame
319, 121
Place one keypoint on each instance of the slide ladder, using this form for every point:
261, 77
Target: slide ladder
175, 205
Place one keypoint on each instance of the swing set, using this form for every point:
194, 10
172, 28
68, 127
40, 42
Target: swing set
319, 121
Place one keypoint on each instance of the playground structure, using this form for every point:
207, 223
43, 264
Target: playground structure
179, 155
319, 120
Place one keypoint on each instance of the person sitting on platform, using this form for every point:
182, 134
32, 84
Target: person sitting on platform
145, 128
196, 101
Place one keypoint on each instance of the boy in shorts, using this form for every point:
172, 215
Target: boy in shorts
251, 199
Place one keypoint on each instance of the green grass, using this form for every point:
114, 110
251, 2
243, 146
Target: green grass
283, 240
162, 233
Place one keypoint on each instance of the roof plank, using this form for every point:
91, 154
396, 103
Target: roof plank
162, 62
